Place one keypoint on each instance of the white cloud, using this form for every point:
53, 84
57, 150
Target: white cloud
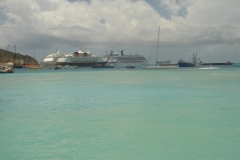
45, 24
213, 19
124, 20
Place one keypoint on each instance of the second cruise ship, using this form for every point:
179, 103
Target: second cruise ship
124, 60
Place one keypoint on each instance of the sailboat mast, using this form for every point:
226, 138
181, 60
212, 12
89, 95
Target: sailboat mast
157, 45
2, 57
15, 57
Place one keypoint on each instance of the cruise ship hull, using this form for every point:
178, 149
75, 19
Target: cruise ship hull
81, 59
123, 65
81, 64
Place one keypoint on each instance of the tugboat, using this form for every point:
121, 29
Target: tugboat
182, 63
196, 62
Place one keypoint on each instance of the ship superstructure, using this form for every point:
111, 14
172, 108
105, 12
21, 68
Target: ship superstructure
125, 60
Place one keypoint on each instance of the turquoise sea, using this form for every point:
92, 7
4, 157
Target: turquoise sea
123, 114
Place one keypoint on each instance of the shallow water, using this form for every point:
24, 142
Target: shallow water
185, 113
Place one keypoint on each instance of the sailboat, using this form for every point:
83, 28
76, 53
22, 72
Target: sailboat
159, 65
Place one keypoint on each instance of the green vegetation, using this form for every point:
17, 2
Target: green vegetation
18, 59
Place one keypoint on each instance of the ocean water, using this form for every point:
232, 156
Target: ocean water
130, 114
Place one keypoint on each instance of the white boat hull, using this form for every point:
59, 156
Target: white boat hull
160, 67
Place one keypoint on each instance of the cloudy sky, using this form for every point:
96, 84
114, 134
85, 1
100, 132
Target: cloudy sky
210, 28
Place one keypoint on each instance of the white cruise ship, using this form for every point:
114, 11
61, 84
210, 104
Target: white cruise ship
81, 59
50, 60
125, 60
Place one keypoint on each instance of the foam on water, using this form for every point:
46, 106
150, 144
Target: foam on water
209, 68
120, 114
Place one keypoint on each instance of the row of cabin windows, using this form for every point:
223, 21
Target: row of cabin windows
131, 61
86, 61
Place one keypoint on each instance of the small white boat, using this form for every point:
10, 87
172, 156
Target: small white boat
36, 67
130, 67
62, 67
6, 69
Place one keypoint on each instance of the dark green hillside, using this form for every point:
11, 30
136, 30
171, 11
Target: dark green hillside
7, 56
